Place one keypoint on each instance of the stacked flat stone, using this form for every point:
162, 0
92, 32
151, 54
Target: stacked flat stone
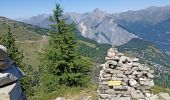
124, 78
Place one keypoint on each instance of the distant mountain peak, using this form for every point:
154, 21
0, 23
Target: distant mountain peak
98, 11
43, 15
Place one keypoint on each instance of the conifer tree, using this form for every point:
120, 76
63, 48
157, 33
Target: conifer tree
60, 59
8, 40
13, 52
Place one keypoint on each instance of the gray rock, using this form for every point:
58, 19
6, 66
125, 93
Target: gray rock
131, 76
107, 76
164, 96
111, 54
128, 66
116, 58
120, 64
153, 97
106, 70
145, 72
103, 96
60, 98
150, 75
132, 92
135, 59
136, 73
148, 94
111, 62
151, 71
105, 79
122, 98
142, 81
103, 87
112, 50
110, 91
121, 75
128, 72
144, 87
139, 75
135, 64
123, 58
143, 68
116, 78
101, 66
132, 82
150, 83
102, 73
120, 54
116, 72
135, 68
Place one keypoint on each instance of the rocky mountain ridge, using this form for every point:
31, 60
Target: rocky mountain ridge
151, 24
96, 25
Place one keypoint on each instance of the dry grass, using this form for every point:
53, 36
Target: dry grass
70, 93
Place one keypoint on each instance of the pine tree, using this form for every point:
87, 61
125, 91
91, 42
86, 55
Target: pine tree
63, 65
13, 52
8, 40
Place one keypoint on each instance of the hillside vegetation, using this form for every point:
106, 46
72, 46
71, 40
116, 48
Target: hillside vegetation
21, 31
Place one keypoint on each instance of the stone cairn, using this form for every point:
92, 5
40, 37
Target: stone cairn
124, 78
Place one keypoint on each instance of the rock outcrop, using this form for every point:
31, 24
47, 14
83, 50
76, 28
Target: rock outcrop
10, 88
124, 78
10, 76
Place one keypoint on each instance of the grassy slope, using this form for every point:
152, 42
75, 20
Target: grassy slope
157, 89
74, 93
21, 31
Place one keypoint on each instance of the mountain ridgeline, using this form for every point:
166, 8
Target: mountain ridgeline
21, 30
150, 24
96, 25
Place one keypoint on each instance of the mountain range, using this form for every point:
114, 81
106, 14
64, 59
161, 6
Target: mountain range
151, 24
96, 25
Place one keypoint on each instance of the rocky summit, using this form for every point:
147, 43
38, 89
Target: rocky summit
124, 78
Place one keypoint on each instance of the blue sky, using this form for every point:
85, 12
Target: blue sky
28, 8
